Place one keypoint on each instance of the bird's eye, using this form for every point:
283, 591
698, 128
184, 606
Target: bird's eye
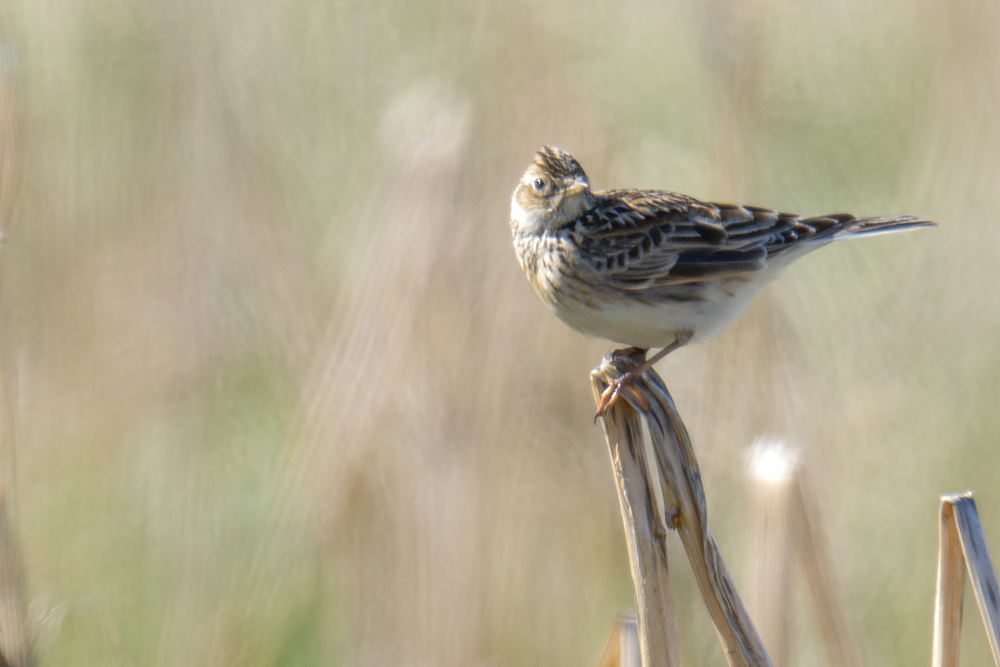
539, 185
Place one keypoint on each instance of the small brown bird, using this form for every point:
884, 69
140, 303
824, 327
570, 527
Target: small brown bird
651, 268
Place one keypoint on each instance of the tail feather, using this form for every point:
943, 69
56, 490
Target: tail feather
826, 228
884, 225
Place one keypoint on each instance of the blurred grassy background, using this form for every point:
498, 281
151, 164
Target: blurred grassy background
276, 392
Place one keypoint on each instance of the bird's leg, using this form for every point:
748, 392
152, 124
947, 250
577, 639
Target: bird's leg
610, 394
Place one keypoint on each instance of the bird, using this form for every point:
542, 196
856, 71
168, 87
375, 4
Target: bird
653, 268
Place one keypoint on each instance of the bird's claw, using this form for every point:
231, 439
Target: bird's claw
608, 398
611, 393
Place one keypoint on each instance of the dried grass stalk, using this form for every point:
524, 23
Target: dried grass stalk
645, 535
961, 538
684, 501
839, 633
622, 647
787, 524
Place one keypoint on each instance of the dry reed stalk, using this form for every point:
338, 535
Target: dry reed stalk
787, 526
645, 535
684, 501
961, 537
622, 646
772, 567
842, 641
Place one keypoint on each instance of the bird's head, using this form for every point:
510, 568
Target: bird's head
553, 191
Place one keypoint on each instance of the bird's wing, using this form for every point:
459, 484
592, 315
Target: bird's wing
639, 239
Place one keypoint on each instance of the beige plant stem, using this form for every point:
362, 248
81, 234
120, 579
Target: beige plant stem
684, 500
645, 535
961, 538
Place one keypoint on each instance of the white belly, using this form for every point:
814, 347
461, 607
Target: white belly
646, 325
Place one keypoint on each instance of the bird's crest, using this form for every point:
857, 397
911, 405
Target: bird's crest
558, 162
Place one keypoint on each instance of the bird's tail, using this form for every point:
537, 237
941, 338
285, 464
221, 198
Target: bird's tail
885, 225
842, 226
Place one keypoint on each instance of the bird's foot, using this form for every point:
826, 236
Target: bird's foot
613, 390
610, 394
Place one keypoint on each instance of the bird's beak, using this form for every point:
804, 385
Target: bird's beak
576, 187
